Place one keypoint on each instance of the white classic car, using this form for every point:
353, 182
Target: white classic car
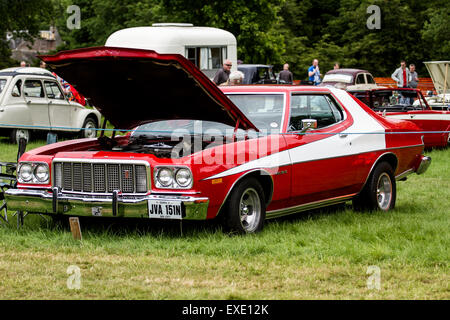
31, 99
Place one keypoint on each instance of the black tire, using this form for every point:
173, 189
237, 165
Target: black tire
17, 133
89, 123
250, 194
380, 191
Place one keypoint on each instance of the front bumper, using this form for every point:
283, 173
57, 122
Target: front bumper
58, 203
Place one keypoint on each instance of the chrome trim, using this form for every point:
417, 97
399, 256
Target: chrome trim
307, 206
105, 162
404, 174
42, 202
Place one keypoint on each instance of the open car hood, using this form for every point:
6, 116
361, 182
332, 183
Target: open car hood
437, 70
131, 87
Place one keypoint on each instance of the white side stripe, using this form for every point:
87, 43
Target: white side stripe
421, 116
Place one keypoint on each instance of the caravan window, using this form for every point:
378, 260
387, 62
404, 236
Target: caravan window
207, 58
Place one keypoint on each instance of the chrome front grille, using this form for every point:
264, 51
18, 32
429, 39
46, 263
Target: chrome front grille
100, 177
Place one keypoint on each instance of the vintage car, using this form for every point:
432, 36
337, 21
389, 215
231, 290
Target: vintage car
349, 79
409, 104
31, 99
237, 153
257, 74
440, 74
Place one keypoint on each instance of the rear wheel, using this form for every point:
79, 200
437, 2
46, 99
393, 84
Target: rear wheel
89, 129
16, 134
380, 191
246, 209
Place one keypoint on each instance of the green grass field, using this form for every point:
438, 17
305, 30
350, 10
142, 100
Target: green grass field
317, 255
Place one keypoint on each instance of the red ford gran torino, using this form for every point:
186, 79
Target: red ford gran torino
197, 151
409, 104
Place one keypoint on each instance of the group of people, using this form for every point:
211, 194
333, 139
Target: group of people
225, 76
404, 77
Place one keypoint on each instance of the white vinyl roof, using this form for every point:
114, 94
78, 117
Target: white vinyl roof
28, 70
170, 38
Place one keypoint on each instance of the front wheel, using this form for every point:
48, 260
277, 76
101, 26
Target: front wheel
380, 191
89, 129
246, 209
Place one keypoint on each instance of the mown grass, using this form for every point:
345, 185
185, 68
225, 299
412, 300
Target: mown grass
317, 255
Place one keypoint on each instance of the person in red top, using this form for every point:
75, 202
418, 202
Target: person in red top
401, 75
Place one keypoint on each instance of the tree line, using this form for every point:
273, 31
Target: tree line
267, 31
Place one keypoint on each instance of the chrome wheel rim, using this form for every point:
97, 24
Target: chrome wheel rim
384, 191
90, 130
250, 209
22, 133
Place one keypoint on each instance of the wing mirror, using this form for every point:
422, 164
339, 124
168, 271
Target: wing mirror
308, 124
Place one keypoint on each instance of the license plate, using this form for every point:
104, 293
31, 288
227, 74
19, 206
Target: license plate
163, 209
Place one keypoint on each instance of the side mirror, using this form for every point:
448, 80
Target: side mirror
308, 124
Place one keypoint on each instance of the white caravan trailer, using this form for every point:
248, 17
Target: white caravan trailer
205, 47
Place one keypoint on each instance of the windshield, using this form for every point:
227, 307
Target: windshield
178, 127
392, 99
265, 111
2, 85
345, 78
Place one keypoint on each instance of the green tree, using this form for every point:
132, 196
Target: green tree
23, 18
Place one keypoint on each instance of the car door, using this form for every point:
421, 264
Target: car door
37, 104
317, 172
60, 110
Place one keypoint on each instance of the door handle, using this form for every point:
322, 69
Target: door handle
1, 110
343, 135
50, 102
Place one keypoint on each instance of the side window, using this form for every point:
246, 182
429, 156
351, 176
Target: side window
360, 79
319, 107
53, 91
2, 84
370, 78
337, 111
33, 89
16, 91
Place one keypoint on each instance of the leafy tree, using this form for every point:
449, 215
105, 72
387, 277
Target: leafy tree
251, 21
436, 31
23, 18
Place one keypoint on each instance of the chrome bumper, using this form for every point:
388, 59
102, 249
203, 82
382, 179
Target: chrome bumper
424, 164
115, 205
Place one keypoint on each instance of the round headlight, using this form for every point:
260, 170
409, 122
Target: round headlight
183, 177
26, 172
165, 177
41, 173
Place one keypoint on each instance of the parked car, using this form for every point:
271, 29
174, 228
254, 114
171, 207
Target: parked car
257, 74
409, 104
349, 79
31, 99
440, 74
197, 151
